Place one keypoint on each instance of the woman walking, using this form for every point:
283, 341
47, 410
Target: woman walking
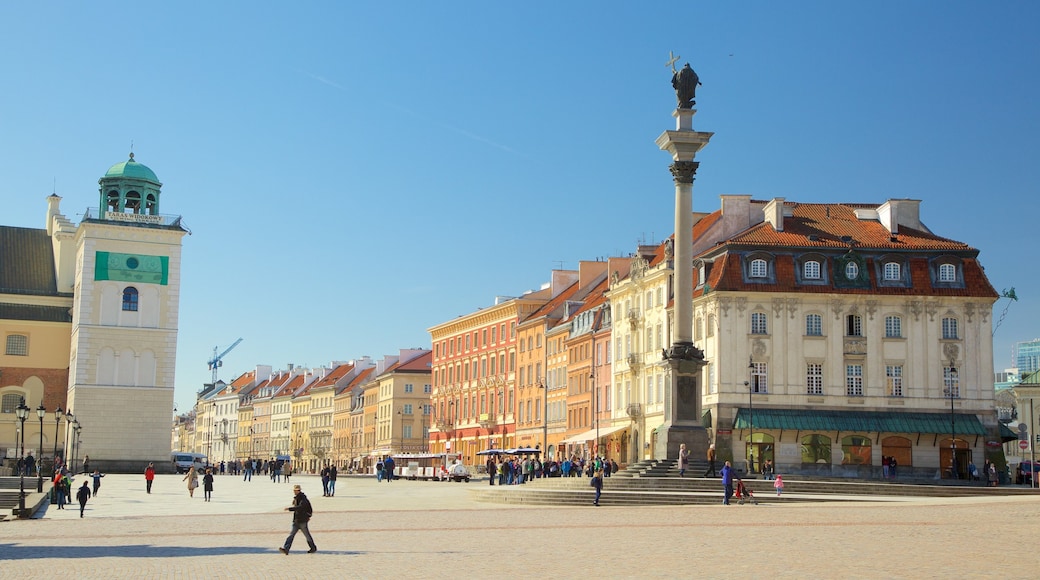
684, 459
193, 481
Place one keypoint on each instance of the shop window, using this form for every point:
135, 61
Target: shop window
855, 450
816, 449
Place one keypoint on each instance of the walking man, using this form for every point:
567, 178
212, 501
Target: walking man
149, 475
247, 469
711, 461
333, 474
83, 495
302, 511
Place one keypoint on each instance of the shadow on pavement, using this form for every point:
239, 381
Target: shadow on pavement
18, 552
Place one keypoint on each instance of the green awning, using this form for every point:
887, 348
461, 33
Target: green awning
862, 421
1007, 434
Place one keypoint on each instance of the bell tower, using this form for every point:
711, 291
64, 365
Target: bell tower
124, 322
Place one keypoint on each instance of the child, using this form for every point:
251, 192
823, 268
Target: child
779, 485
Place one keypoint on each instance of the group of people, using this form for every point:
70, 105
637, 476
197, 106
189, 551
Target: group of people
517, 470
385, 469
61, 487
889, 466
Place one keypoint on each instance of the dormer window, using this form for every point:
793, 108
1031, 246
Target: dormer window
851, 270
892, 271
811, 270
759, 268
947, 273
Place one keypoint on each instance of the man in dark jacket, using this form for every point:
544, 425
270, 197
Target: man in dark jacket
83, 495
301, 509
333, 474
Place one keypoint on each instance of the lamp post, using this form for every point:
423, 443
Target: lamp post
595, 405
40, 412
22, 412
751, 414
224, 442
949, 391
69, 418
545, 418
75, 445
400, 421
58, 414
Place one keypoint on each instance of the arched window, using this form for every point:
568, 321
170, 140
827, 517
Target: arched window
892, 271
130, 299
112, 201
813, 325
811, 270
816, 449
949, 328
758, 323
855, 450
893, 327
947, 273
759, 268
132, 203
898, 448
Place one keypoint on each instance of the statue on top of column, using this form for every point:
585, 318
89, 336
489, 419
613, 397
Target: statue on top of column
685, 83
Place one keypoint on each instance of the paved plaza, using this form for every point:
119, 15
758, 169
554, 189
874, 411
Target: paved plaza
414, 529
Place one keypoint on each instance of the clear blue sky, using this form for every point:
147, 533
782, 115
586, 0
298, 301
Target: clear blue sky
356, 172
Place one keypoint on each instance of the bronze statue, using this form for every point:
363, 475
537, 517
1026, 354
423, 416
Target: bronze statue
685, 83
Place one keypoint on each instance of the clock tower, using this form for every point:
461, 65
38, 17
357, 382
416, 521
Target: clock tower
124, 322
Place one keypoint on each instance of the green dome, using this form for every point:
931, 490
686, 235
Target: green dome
132, 169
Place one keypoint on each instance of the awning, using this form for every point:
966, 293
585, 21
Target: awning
1007, 434
863, 421
591, 434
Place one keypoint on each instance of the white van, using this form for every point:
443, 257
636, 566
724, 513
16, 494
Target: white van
182, 462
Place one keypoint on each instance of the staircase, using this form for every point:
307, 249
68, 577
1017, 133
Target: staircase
652, 483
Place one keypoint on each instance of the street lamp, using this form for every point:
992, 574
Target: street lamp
545, 418
949, 391
22, 412
69, 418
400, 421
751, 416
224, 442
40, 412
58, 414
595, 405
75, 445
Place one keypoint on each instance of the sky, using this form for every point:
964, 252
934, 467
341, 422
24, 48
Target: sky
354, 173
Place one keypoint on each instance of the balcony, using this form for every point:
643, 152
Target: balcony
634, 360
634, 410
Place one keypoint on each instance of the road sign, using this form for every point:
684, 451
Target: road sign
1023, 445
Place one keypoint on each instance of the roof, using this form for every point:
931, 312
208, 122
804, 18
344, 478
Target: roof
132, 169
858, 421
27, 262
35, 312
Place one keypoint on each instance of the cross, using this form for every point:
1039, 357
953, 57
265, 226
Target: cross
672, 59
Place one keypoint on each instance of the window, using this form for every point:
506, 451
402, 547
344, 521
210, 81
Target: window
813, 325
811, 270
427, 388
951, 383
816, 449
854, 380
407, 409
711, 378
408, 388
814, 379
893, 327
660, 292
710, 330
759, 378
758, 323
130, 299
17, 345
892, 271
853, 325
759, 268
10, 402
947, 273
949, 328
894, 380
852, 270
855, 450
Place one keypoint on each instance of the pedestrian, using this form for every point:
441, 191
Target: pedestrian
86, 464
492, 468
379, 471
884, 466
684, 459
83, 495
59, 489
149, 475
613, 466
892, 465
207, 484
325, 481
302, 512
597, 484
97, 480
333, 474
287, 470
711, 461
247, 474
993, 474
193, 481
767, 469
727, 482
778, 483
388, 466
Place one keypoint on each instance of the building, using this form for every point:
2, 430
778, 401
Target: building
118, 273
1027, 356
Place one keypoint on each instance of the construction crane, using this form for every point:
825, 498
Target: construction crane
217, 361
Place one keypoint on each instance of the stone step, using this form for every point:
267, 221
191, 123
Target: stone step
620, 498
